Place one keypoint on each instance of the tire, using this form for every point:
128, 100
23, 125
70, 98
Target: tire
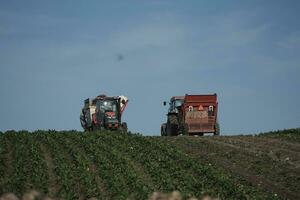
93, 128
96, 127
163, 128
184, 129
83, 121
172, 125
217, 129
124, 127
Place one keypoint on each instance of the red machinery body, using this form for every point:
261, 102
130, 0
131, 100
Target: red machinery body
103, 112
200, 113
192, 115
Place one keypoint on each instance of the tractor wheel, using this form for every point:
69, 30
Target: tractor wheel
163, 128
93, 128
83, 122
217, 129
184, 129
168, 130
172, 125
124, 127
96, 127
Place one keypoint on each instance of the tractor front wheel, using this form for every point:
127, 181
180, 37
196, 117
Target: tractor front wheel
163, 129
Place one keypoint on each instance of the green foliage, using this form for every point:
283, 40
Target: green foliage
2, 161
29, 167
292, 135
110, 165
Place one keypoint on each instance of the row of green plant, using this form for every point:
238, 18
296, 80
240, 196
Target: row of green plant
64, 167
3, 152
111, 165
292, 135
82, 170
115, 170
28, 168
171, 169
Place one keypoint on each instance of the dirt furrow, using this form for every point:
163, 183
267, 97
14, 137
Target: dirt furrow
249, 164
270, 148
262, 143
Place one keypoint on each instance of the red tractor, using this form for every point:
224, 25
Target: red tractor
192, 115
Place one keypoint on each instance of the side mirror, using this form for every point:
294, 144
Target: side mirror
165, 103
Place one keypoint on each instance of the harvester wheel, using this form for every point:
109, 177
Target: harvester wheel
96, 127
124, 126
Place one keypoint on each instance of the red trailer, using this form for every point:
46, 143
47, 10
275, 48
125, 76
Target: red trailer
200, 114
192, 115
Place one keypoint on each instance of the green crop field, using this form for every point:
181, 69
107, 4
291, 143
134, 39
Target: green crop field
115, 165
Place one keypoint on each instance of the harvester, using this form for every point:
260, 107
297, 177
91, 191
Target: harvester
191, 115
103, 113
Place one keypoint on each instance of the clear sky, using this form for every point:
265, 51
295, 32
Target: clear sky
54, 54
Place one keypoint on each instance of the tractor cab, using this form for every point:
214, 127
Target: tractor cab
103, 112
108, 112
175, 104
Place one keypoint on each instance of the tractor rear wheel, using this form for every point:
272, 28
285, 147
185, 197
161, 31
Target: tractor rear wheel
184, 129
172, 125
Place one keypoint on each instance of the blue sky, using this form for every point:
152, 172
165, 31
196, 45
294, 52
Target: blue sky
54, 54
